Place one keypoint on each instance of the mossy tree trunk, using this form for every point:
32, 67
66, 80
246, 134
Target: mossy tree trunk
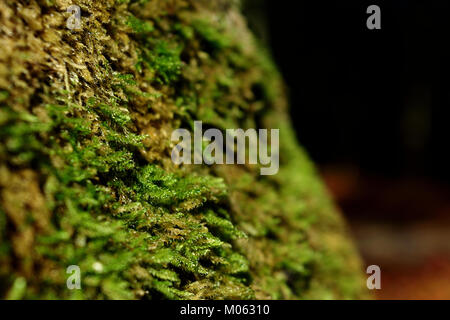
86, 176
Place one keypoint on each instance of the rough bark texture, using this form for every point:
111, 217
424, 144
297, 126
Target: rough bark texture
86, 176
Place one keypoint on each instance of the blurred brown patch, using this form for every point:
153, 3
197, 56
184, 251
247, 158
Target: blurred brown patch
401, 225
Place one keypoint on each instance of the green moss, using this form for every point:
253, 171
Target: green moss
86, 177
139, 26
3, 95
211, 35
163, 59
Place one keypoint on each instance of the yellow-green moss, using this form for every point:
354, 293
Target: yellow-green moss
85, 170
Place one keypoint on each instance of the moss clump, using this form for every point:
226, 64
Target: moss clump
85, 172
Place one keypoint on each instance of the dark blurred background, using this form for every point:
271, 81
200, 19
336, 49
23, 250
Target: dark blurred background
372, 109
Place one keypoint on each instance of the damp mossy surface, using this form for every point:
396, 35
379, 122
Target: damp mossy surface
86, 176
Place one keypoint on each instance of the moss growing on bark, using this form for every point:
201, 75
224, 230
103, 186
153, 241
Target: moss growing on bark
86, 176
